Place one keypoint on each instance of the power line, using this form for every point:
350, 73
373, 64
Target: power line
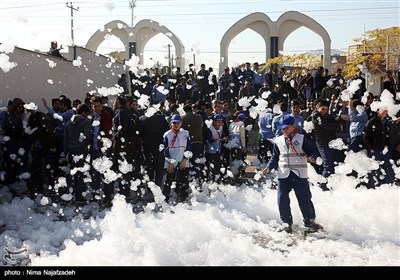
224, 18
216, 14
29, 6
271, 12
173, 21
209, 4
89, 22
241, 13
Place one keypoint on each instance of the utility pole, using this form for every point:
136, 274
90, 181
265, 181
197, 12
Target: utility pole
393, 57
387, 53
72, 20
393, 52
169, 55
194, 57
132, 5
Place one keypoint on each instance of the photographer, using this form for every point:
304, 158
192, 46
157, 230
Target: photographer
54, 50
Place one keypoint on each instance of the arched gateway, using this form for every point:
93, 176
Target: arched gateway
274, 34
136, 38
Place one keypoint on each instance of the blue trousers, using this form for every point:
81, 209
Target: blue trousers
214, 159
302, 190
384, 174
356, 144
155, 166
327, 157
98, 183
42, 158
198, 152
77, 180
181, 178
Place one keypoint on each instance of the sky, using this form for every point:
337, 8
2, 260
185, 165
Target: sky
200, 25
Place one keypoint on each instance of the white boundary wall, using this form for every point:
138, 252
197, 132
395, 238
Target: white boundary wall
29, 79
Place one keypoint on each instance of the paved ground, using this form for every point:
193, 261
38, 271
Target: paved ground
252, 152
250, 169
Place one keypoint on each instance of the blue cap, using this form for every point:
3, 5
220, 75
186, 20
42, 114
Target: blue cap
218, 117
242, 116
176, 118
286, 121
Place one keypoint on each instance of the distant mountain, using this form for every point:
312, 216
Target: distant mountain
321, 52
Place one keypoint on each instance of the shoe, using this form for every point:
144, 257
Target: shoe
242, 171
106, 204
324, 187
314, 226
286, 228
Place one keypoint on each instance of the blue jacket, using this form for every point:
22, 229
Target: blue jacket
265, 124
357, 123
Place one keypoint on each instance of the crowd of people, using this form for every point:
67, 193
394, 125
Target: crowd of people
195, 126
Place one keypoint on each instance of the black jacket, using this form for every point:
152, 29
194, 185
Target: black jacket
125, 132
394, 134
152, 130
325, 128
375, 134
78, 135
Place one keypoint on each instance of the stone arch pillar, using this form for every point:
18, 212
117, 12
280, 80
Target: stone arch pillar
258, 22
146, 29
138, 36
117, 28
274, 33
290, 21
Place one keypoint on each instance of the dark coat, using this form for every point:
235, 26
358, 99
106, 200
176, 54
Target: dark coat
43, 129
78, 136
325, 128
152, 130
376, 131
125, 133
394, 134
